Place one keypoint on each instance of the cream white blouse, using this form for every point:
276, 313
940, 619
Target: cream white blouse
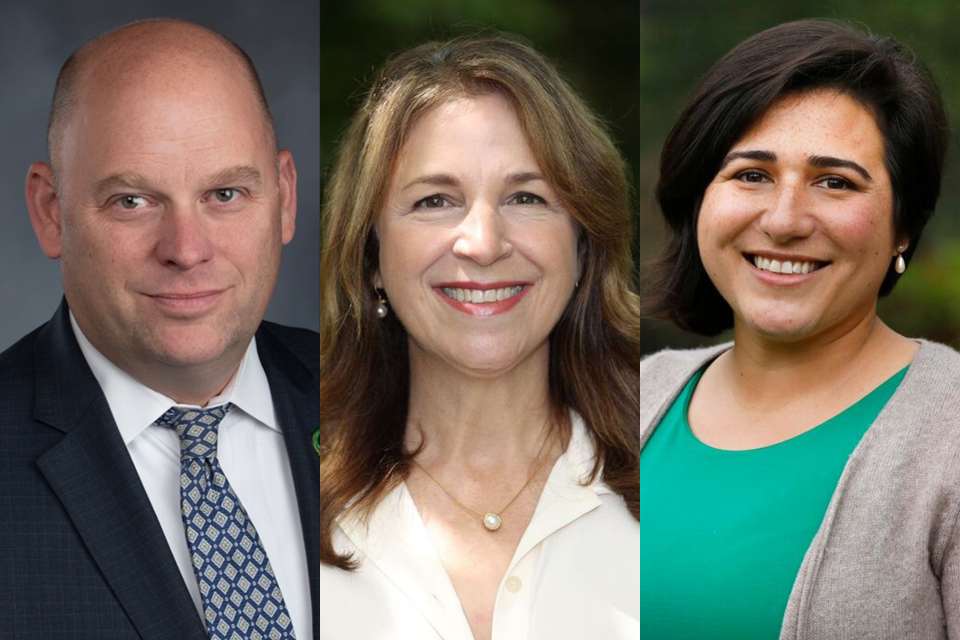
575, 574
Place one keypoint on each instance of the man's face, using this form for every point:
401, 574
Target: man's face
173, 215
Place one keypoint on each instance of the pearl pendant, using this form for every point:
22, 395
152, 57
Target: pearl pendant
491, 521
901, 264
382, 310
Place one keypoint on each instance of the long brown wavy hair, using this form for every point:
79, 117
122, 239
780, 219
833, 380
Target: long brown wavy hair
594, 349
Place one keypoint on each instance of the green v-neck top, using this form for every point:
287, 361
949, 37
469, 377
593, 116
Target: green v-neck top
723, 533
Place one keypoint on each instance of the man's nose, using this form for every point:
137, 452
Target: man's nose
482, 235
184, 237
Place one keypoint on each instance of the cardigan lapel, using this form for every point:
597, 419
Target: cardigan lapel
92, 474
923, 377
660, 386
296, 403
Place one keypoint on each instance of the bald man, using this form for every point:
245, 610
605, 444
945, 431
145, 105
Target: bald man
157, 479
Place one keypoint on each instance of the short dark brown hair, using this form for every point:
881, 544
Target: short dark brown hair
797, 57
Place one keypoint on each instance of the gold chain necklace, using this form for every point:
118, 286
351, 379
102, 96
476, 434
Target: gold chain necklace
492, 519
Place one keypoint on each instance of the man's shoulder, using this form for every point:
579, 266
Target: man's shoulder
17, 362
18, 385
303, 344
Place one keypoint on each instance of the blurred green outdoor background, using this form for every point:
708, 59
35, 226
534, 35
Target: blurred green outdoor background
635, 63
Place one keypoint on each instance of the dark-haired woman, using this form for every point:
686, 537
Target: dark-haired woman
805, 481
479, 451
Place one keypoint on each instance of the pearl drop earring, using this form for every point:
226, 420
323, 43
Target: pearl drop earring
382, 309
900, 265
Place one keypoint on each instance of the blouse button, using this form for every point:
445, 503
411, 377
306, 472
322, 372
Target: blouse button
514, 584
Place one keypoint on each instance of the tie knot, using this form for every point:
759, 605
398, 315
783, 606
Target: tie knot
196, 428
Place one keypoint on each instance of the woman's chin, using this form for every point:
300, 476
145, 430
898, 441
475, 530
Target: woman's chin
779, 327
486, 366
486, 360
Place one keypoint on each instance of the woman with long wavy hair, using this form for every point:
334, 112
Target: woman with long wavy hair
481, 346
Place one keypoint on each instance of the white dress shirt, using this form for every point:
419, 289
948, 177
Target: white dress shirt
252, 453
574, 576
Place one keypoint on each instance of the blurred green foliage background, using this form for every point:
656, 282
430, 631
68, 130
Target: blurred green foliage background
635, 63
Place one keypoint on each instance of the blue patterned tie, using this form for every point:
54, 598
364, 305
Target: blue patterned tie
241, 597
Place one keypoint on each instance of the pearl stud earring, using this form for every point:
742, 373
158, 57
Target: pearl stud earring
382, 309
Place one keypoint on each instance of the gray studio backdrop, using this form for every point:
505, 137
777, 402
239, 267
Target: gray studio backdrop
282, 37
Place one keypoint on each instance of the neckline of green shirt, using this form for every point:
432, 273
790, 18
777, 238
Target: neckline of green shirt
866, 408
723, 532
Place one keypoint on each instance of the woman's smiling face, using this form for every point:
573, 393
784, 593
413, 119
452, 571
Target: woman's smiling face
478, 256
804, 191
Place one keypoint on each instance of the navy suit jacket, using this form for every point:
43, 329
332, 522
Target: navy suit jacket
82, 555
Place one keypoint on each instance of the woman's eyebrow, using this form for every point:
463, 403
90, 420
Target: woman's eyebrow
438, 179
446, 180
524, 177
821, 162
829, 162
760, 156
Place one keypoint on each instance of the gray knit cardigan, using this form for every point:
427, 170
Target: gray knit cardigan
885, 563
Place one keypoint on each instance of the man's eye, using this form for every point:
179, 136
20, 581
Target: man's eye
225, 195
435, 201
527, 198
131, 202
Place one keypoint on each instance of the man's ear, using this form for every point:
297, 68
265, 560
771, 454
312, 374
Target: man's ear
288, 195
43, 203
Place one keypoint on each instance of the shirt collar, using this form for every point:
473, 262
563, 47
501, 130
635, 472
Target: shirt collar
395, 540
565, 498
580, 457
135, 406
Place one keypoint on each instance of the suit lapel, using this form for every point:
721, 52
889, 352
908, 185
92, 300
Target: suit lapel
92, 474
295, 399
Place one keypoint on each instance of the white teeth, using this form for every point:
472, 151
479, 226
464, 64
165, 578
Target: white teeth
785, 267
478, 296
